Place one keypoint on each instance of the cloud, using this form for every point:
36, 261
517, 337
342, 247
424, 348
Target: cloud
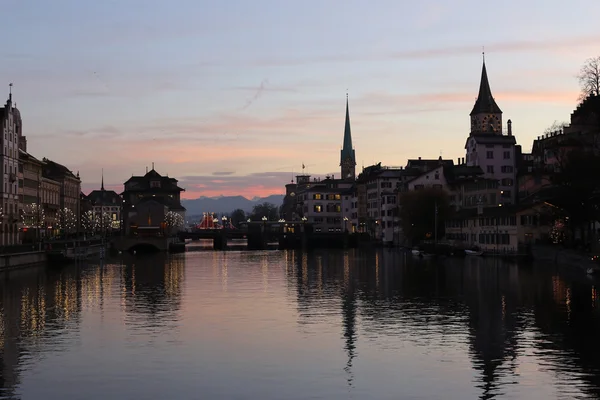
223, 173
552, 45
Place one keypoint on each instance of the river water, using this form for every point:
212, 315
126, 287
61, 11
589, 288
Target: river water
286, 325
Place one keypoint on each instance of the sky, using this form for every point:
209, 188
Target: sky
231, 97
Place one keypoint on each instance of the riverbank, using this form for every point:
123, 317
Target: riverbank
54, 252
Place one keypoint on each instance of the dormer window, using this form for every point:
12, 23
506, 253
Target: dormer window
155, 184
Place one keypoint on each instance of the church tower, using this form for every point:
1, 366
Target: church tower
486, 116
347, 156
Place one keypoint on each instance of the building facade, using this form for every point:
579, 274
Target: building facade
503, 229
33, 219
68, 215
147, 201
50, 198
488, 147
105, 210
10, 121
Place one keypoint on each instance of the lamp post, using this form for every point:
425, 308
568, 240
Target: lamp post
224, 219
215, 222
345, 224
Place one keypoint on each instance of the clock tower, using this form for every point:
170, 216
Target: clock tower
486, 116
347, 156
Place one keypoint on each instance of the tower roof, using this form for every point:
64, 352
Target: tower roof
485, 103
347, 150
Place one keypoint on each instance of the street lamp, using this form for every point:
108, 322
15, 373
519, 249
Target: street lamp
264, 219
215, 221
224, 219
346, 224
304, 219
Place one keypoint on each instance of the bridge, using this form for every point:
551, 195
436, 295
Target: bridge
258, 234
142, 243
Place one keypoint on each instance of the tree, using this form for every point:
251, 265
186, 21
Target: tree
417, 213
173, 221
589, 78
555, 127
578, 185
66, 220
265, 210
237, 216
88, 222
33, 216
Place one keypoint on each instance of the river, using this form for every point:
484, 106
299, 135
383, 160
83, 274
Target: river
287, 325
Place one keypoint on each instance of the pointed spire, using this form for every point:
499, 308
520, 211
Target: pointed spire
102, 184
485, 103
347, 150
10, 85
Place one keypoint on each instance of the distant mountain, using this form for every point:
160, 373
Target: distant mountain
226, 204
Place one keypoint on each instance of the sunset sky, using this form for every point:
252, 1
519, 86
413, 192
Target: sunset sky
232, 96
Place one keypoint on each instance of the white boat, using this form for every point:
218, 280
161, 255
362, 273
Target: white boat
474, 252
416, 252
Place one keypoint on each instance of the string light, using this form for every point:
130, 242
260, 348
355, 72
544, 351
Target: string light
66, 220
33, 216
557, 232
174, 220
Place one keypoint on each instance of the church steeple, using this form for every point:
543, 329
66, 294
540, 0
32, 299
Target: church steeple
486, 116
347, 155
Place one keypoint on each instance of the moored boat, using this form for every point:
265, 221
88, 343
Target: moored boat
474, 252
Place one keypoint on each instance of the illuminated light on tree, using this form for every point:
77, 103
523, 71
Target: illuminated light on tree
558, 231
104, 221
88, 222
66, 220
33, 216
173, 220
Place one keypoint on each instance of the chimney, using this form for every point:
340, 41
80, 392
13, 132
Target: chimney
509, 127
463, 160
419, 158
458, 162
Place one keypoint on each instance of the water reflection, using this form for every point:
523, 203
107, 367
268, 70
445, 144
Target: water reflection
505, 309
335, 324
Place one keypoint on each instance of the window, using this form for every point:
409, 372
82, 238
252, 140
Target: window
507, 182
317, 196
490, 155
318, 208
507, 155
339, 197
155, 184
490, 169
418, 187
437, 176
506, 169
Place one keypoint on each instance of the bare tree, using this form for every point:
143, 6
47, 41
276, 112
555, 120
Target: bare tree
556, 126
589, 78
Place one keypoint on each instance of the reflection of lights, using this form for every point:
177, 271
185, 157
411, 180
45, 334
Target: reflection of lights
503, 307
224, 271
568, 303
320, 274
377, 270
264, 267
304, 270
346, 270
594, 296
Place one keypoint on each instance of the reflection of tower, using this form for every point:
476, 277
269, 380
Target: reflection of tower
492, 321
153, 287
349, 317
